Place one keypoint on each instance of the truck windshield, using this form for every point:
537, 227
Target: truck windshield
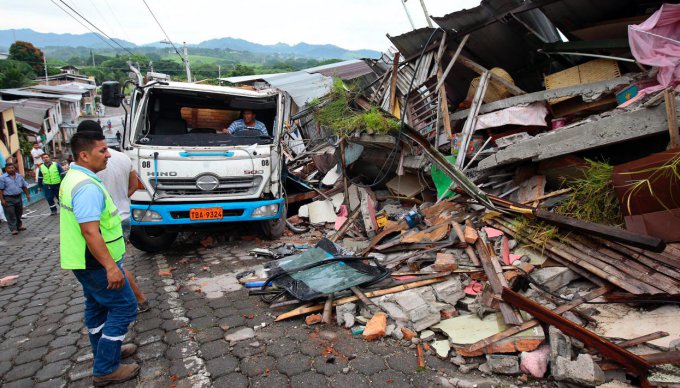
191, 118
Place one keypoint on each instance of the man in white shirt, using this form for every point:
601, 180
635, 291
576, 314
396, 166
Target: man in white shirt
36, 154
120, 179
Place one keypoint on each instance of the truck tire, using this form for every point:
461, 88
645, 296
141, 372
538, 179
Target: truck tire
151, 238
273, 229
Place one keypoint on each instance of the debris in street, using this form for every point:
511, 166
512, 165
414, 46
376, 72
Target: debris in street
461, 204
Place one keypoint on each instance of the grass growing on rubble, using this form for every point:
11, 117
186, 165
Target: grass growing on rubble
593, 197
337, 114
537, 233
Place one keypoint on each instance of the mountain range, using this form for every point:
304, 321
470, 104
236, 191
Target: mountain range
90, 40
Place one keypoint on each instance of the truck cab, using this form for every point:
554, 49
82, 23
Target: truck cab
193, 173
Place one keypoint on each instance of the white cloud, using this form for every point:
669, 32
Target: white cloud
351, 24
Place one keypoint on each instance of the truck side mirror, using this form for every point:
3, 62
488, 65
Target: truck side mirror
111, 96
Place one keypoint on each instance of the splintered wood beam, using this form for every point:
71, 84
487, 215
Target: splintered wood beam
630, 361
497, 281
393, 82
531, 323
337, 302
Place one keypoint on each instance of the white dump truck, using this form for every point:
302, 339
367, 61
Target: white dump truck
190, 171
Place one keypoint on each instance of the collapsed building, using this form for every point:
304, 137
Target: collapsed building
519, 214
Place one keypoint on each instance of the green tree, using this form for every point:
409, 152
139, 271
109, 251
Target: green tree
242, 70
15, 74
26, 52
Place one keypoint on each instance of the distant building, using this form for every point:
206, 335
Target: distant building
9, 138
70, 69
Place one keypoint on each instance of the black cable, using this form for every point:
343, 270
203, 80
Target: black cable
81, 23
162, 29
97, 28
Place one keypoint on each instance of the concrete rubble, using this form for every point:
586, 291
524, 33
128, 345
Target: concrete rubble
468, 240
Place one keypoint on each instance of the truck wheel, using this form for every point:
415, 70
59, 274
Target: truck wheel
273, 229
151, 238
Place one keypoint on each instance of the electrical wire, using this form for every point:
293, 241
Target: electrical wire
93, 25
162, 29
81, 23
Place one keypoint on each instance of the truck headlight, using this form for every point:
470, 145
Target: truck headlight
266, 210
142, 215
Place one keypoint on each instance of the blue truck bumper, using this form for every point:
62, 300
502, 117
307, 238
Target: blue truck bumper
178, 214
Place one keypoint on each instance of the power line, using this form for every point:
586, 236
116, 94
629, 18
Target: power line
162, 29
97, 28
81, 23
127, 36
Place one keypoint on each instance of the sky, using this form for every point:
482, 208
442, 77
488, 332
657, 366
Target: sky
350, 24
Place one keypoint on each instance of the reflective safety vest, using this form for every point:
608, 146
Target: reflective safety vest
50, 174
73, 248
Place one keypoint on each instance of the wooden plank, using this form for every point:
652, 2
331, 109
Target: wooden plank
630, 361
469, 126
349, 299
479, 69
672, 357
453, 60
393, 82
497, 282
529, 324
629, 267
609, 232
588, 264
642, 339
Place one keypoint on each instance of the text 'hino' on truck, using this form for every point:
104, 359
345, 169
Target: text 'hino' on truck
190, 171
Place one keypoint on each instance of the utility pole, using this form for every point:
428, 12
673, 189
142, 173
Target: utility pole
403, 2
427, 14
186, 61
93, 64
45, 66
219, 74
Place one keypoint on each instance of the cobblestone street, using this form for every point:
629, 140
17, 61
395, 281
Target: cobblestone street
181, 339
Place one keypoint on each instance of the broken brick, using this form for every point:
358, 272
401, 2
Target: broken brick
449, 313
313, 319
470, 234
408, 333
445, 262
375, 328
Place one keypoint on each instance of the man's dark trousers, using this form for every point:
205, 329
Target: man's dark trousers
51, 194
108, 313
13, 211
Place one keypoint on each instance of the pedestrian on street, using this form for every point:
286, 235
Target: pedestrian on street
108, 123
120, 179
36, 154
11, 186
92, 246
49, 177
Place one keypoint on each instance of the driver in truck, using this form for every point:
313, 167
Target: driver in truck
247, 122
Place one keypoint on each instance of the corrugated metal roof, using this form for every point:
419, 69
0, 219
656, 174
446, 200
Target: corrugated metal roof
302, 86
412, 42
61, 89
347, 70
248, 78
27, 93
29, 116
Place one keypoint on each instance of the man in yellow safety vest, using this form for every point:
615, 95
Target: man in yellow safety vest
92, 246
49, 178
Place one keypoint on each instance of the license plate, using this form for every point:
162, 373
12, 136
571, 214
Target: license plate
209, 213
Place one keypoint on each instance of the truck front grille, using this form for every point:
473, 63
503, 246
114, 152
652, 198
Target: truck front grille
187, 186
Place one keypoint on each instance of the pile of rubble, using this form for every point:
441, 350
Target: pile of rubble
486, 234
